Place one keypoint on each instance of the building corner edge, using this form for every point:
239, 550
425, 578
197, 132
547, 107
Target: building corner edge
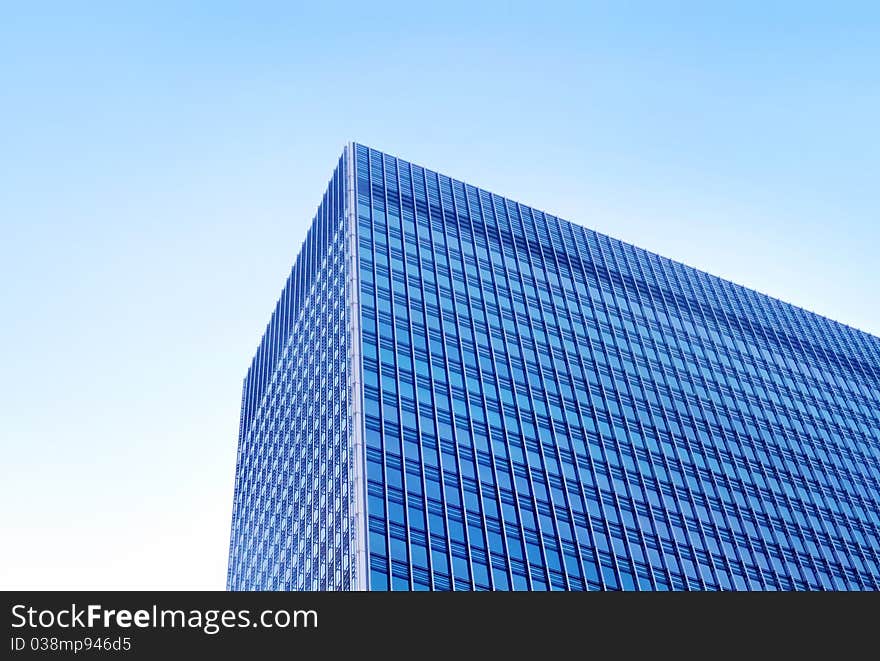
356, 394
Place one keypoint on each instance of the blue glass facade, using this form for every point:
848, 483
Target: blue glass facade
528, 404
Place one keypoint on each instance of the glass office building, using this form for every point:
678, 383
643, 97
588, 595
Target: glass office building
458, 392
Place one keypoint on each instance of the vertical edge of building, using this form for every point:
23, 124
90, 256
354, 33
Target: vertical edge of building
358, 456
244, 401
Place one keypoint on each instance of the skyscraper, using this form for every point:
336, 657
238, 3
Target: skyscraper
457, 391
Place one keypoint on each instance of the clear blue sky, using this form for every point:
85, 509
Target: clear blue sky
160, 163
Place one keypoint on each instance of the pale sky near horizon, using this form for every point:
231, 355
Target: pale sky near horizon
160, 163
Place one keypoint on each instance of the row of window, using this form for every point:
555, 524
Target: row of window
293, 523
647, 410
